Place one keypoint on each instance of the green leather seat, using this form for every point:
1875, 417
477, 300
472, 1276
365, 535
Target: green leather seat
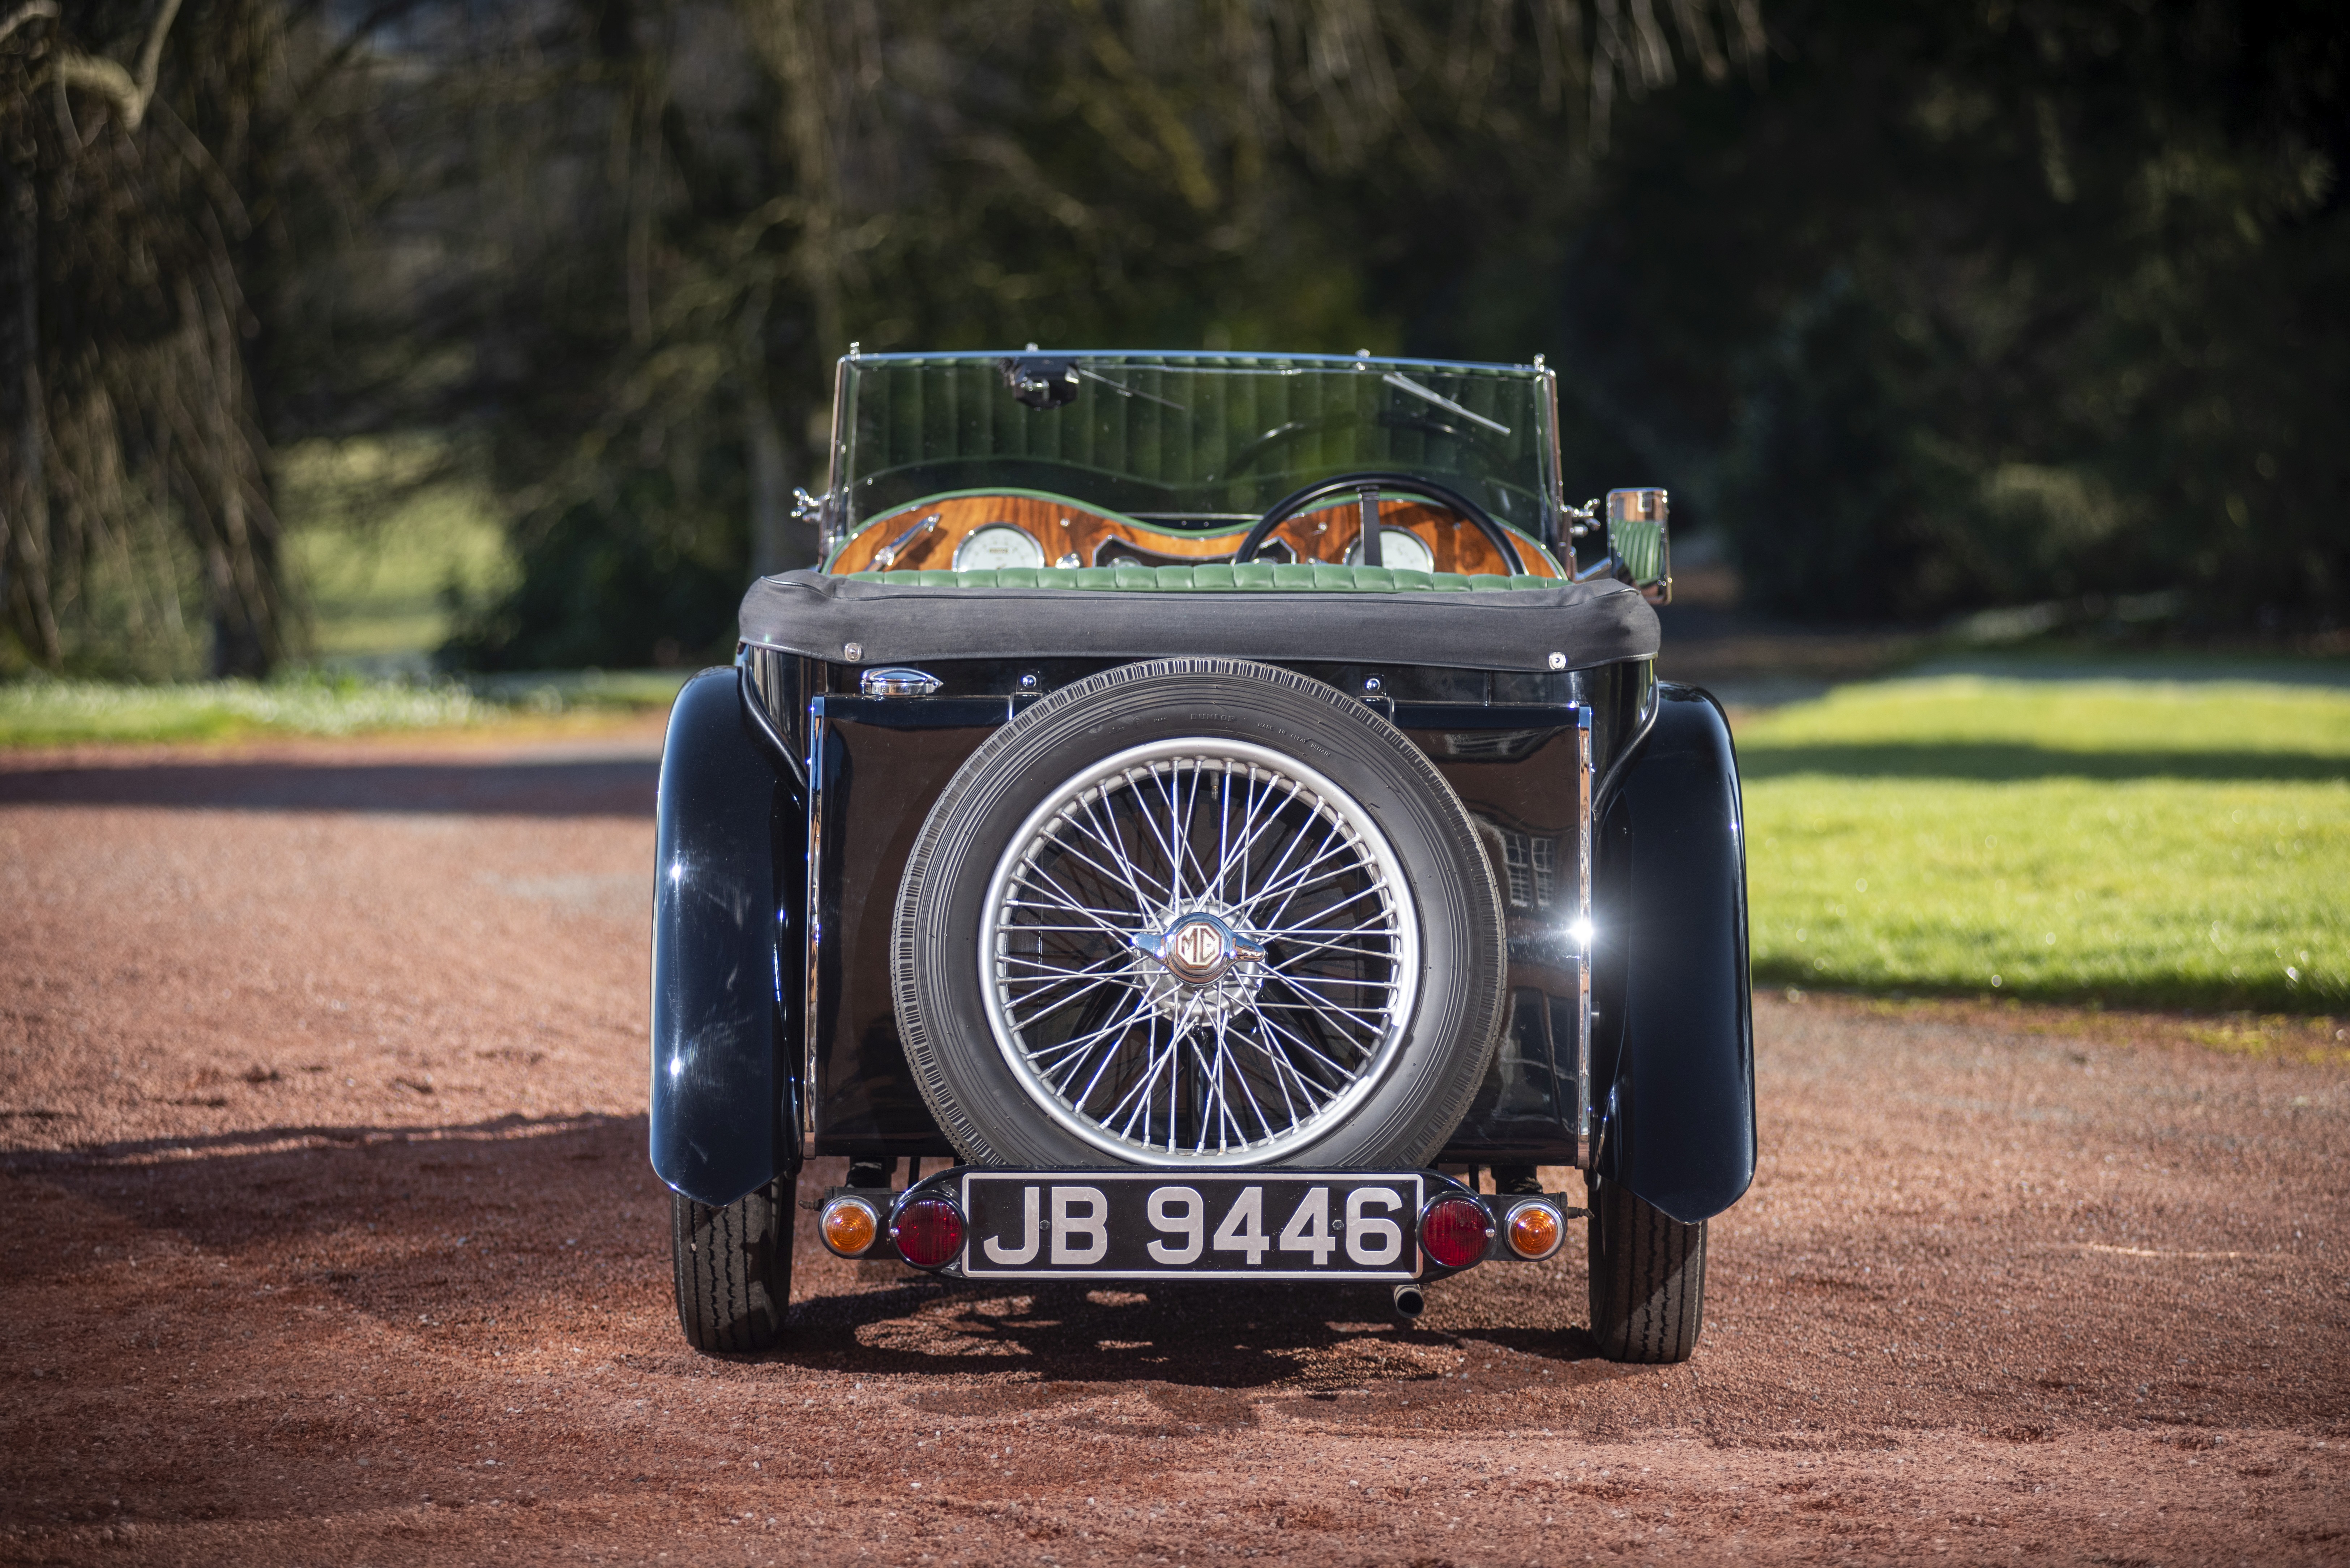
1221, 577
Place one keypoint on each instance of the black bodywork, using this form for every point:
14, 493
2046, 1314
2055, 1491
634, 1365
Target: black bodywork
734, 817
775, 1035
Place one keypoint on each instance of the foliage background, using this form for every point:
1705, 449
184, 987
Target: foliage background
1924, 306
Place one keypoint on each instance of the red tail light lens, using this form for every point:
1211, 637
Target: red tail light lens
1454, 1230
929, 1232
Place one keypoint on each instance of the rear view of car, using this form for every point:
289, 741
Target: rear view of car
1202, 806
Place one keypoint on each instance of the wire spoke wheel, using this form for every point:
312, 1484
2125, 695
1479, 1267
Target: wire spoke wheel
1198, 913
1199, 950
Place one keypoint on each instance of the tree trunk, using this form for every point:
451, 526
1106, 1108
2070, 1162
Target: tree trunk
23, 476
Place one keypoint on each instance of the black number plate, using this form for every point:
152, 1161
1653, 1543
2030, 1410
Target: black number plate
1259, 1225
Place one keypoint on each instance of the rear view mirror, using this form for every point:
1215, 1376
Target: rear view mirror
1637, 541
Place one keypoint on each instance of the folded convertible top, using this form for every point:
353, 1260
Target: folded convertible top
1320, 612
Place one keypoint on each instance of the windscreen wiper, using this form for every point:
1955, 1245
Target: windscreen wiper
1125, 392
1048, 381
1398, 378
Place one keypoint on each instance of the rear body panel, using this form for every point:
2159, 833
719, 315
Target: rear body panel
1523, 751
774, 1027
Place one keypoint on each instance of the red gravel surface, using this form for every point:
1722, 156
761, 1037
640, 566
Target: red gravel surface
327, 1236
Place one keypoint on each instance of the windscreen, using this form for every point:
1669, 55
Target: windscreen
1203, 441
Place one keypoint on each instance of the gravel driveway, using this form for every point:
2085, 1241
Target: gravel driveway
327, 1236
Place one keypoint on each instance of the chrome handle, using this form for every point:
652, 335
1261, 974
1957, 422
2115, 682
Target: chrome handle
897, 681
886, 557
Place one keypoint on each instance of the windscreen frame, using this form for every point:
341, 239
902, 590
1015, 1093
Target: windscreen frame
1516, 474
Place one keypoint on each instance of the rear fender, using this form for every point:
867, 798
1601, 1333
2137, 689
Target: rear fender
726, 1011
1673, 1069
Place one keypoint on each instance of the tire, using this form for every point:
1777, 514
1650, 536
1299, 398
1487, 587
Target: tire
733, 1269
1354, 986
1647, 1278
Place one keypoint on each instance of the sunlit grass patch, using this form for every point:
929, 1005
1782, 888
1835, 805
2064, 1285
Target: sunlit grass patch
61, 712
2165, 845
41, 712
1964, 726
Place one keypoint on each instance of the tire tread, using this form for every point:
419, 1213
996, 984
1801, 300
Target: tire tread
732, 1269
1648, 1279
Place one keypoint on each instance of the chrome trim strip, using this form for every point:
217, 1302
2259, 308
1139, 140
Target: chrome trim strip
1583, 943
809, 1010
831, 528
1643, 723
1556, 485
754, 708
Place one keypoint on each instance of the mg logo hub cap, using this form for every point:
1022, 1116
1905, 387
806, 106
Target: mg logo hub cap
1199, 949
1197, 964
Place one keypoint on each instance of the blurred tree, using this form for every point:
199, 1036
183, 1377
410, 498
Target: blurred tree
1978, 303
1926, 306
773, 178
181, 181
132, 471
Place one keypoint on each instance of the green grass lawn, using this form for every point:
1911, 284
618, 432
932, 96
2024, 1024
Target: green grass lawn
2115, 841
63, 713
42, 712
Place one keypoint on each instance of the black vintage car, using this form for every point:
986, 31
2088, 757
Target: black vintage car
1203, 821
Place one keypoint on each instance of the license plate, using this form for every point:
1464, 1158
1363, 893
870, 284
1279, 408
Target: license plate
1261, 1225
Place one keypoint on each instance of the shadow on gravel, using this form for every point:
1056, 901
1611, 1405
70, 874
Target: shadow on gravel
589, 787
139, 1153
472, 1232
1213, 1338
512, 1187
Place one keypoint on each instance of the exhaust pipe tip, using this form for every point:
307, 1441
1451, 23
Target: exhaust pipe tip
1410, 1300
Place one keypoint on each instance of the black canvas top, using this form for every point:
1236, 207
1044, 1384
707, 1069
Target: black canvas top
1327, 613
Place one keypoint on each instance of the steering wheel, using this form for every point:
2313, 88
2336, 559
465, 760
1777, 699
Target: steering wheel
1367, 483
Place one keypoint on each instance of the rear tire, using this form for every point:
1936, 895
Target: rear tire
733, 1269
1647, 1278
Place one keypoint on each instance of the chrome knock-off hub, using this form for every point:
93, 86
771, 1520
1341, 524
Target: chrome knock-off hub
1195, 963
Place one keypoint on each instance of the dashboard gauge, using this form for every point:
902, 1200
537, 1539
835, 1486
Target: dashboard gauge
996, 545
1401, 549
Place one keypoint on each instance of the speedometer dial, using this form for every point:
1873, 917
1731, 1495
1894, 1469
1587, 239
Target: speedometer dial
1399, 548
997, 545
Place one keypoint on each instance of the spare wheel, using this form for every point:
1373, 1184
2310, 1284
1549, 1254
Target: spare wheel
1199, 912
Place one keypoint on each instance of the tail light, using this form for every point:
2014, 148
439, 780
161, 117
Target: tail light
850, 1226
928, 1232
1453, 1232
1533, 1230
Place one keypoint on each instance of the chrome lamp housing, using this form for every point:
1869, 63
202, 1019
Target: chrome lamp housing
1638, 545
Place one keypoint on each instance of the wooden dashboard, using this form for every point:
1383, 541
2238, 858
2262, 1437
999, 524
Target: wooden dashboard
926, 535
